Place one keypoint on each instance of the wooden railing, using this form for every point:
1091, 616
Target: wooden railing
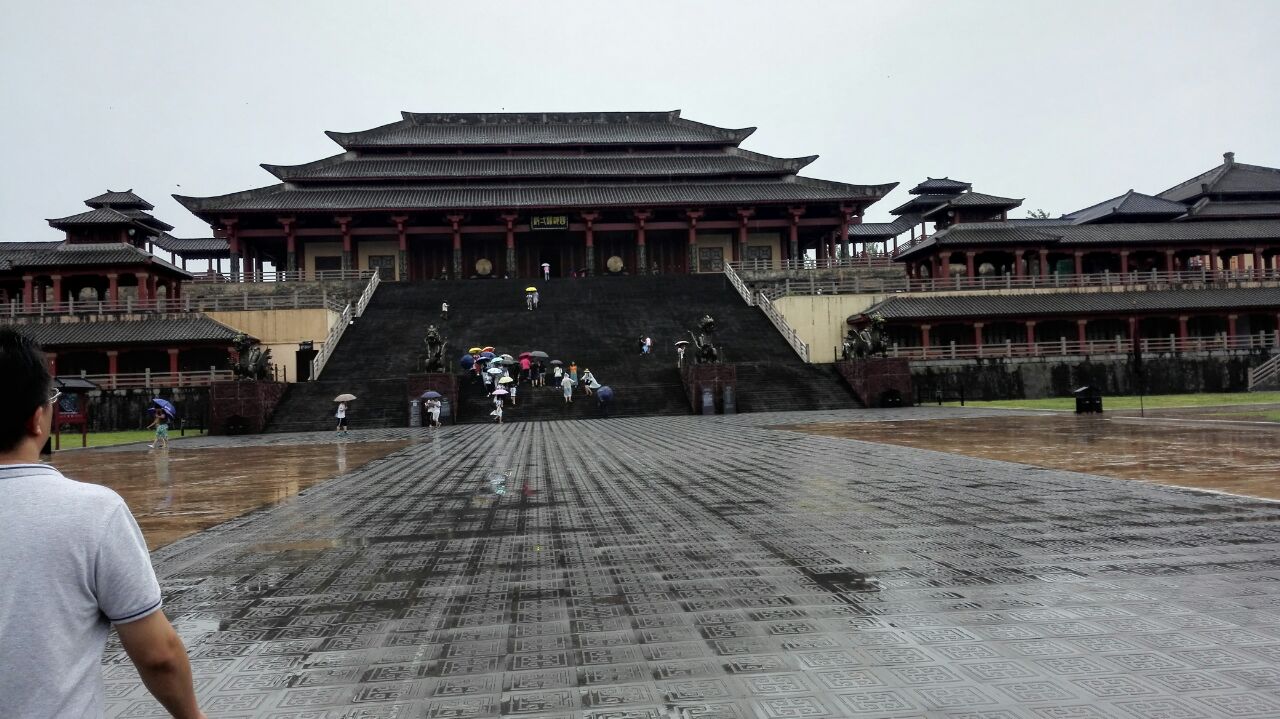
221, 303
821, 263
1065, 347
1150, 279
1266, 373
149, 379
283, 276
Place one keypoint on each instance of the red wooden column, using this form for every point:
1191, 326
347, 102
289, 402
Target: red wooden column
1081, 335
1079, 256
1124, 262
589, 225
28, 291
173, 365
1044, 262
1258, 266
1017, 263
1134, 337
1031, 336
968, 264
344, 224
1168, 261
642, 262
57, 292
693, 216
402, 238
233, 241
510, 219
1182, 331
977, 335
113, 367
793, 239
455, 221
944, 265
1231, 327
1213, 260
290, 243
144, 284
924, 339
52, 359
846, 214
113, 289
740, 249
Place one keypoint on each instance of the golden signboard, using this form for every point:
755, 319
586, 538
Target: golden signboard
549, 222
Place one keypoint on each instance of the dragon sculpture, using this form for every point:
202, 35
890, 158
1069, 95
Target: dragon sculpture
249, 361
868, 342
433, 356
705, 350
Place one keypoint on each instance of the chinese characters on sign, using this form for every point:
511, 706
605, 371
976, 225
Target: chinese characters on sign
549, 222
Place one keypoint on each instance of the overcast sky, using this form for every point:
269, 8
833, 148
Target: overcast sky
1063, 103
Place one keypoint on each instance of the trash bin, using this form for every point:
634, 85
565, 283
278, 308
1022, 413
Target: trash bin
708, 401
730, 403
1088, 400
415, 413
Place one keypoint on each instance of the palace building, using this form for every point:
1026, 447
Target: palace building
437, 195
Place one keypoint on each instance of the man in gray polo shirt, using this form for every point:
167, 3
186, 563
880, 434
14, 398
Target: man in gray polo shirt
72, 563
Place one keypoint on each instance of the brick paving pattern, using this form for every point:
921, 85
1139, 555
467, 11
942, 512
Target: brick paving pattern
712, 567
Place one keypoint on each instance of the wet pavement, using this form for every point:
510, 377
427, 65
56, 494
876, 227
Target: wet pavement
714, 567
1176, 449
187, 488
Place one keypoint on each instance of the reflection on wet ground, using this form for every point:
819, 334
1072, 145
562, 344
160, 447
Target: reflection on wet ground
1236, 458
676, 567
177, 492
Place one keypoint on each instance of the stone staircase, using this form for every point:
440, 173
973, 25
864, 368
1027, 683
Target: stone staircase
596, 322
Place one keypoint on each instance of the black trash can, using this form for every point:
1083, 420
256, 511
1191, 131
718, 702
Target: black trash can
1088, 400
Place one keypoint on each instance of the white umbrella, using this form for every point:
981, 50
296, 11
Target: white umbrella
344, 398
495, 370
500, 391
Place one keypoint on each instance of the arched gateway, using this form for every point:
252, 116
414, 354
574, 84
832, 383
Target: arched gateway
492, 195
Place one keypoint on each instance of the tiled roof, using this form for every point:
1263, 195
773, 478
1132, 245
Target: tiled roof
148, 220
982, 234
119, 200
919, 203
1230, 177
115, 333
180, 245
940, 186
278, 197
1218, 209
67, 254
613, 164
1128, 205
980, 199
99, 216
532, 129
884, 229
1073, 303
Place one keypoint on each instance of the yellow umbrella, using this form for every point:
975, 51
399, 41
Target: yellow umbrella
505, 380
531, 289
474, 350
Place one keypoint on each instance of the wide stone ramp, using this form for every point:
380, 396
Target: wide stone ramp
596, 322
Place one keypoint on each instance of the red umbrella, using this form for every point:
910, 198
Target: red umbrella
526, 354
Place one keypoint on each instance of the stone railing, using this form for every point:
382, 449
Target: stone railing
348, 315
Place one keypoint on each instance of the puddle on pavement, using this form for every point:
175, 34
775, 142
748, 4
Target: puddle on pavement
178, 492
1239, 459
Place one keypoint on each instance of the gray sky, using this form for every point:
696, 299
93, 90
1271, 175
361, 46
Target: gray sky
1064, 103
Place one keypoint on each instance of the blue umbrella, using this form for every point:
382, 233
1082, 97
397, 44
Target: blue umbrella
164, 404
467, 361
431, 394
605, 393
486, 355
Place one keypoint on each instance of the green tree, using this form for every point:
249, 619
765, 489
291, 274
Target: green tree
1037, 214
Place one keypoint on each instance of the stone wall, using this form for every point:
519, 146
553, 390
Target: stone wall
716, 376
444, 383
877, 381
1002, 378
242, 407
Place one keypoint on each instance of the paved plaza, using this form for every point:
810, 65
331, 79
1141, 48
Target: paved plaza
677, 567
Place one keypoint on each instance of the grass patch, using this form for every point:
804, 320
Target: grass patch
71, 440
1159, 401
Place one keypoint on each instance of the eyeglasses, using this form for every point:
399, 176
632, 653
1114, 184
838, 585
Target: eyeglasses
57, 393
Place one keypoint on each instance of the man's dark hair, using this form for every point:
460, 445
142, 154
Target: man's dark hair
24, 384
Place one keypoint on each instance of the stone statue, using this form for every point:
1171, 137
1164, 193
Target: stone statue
433, 358
250, 361
868, 342
704, 346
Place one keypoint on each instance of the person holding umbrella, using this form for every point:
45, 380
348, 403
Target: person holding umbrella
497, 404
589, 383
163, 413
604, 396
341, 414
566, 386
433, 406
